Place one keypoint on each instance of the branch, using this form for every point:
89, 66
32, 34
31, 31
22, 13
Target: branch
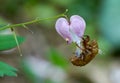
33, 21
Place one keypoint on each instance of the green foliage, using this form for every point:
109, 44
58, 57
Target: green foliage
3, 22
56, 58
110, 21
91, 31
7, 70
8, 42
10, 7
85, 8
63, 3
43, 11
105, 47
80, 9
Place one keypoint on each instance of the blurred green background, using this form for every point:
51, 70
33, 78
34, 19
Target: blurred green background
46, 55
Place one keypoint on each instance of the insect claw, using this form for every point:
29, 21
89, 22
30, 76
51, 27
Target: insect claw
79, 46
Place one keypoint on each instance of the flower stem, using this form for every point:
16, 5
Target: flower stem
31, 22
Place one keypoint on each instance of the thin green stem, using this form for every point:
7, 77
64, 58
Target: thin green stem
31, 22
15, 36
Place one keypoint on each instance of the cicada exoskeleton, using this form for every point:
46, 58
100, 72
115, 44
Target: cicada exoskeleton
89, 50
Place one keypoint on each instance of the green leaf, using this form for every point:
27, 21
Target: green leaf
7, 70
8, 42
56, 58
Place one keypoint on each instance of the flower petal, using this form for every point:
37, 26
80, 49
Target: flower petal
77, 25
62, 27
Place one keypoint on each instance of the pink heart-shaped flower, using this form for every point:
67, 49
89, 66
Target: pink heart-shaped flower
69, 30
77, 25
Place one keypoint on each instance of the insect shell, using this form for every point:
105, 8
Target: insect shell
88, 51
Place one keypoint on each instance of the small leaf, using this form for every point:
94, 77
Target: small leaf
8, 42
56, 58
7, 70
